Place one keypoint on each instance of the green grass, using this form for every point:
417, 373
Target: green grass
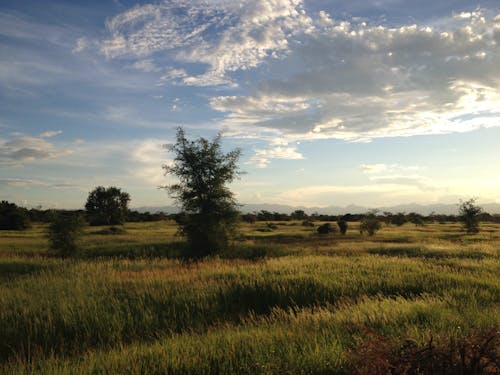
286, 301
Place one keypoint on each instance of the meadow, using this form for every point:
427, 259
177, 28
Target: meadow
283, 300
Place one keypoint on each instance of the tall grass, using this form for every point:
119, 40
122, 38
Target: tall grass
265, 308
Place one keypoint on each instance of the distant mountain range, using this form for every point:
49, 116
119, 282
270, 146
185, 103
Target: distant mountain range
438, 208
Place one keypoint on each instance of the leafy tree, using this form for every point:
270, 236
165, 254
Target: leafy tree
416, 219
342, 226
370, 223
398, 219
298, 215
64, 233
13, 217
204, 171
107, 206
469, 214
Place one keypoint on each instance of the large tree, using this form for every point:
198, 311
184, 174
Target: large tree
107, 206
204, 171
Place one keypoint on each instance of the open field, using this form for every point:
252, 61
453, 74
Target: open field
285, 300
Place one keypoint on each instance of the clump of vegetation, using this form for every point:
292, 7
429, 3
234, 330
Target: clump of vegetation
398, 219
326, 228
342, 224
307, 223
210, 209
64, 233
478, 353
469, 214
107, 206
13, 217
370, 224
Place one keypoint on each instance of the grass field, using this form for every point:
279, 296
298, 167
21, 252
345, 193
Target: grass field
285, 300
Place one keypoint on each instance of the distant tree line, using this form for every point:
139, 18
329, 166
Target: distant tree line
15, 217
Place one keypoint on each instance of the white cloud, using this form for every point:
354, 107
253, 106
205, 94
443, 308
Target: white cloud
28, 149
225, 36
50, 133
81, 45
363, 81
262, 157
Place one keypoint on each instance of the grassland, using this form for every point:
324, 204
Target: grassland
284, 300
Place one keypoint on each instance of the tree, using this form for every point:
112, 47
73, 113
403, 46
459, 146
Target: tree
107, 206
342, 226
370, 223
204, 171
298, 215
469, 214
65, 230
398, 219
13, 217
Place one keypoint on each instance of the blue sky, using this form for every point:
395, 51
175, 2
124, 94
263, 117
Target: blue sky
374, 103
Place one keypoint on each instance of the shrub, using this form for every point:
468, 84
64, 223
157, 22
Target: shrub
307, 223
342, 226
64, 233
398, 219
326, 228
370, 224
477, 353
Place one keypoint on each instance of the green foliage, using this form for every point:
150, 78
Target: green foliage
416, 219
469, 215
342, 226
297, 305
398, 219
13, 217
210, 210
326, 228
107, 206
298, 215
64, 233
370, 224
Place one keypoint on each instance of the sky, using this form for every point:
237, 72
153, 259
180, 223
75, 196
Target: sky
373, 103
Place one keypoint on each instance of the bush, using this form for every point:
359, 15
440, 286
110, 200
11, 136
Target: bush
13, 217
307, 223
398, 219
64, 233
342, 226
477, 353
326, 228
370, 224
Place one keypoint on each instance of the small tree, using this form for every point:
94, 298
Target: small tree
370, 223
13, 217
64, 233
398, 219
107, 206
342, 226
210, 210
469, 214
